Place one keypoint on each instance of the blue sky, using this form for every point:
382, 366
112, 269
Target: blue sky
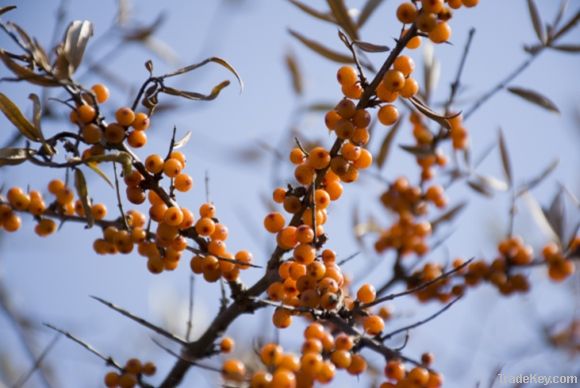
52, 278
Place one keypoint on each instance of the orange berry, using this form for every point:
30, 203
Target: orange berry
304, 174
434, 6
365, 160
311, 363
331, 119
326, 372
279, 194
426, 22
149, 369
344, 129
353, 91
137, 139
270, 354
394, 80
114, 133
388, 114
125, 116
414, 42
172, 167
227, 345
274, 222
373, 324
283, 378
406, 13
440, 33
304, 234
183, 182
133, 366
141, 121
358, 365
395, 370
86, 113
470, 3
112, 379
341, 358
281, 318
173, 216
127, 380
92, 134
101, 92
418, 376
205, 226
99, 211
366, 293
384, 94
404, 64
233, 370
345, 108
286, 238
297, 156
410, 89
304, 254
361, 118
347, 75
318, 158
321, 199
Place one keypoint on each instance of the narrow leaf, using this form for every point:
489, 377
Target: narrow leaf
75, 42
313, 12
38, 53
322, 50
16, 117
536, 21
367, 11
567, 48
370, 47
539, 217
505, 160
95, 167
537, 180
8, 8
441, 120
568, 26
143, 33
417, 150
37, 110
449, 215
556, 215
343, 19
535, 98
14, 156
83, 193
25, 74
183, 141
194, 95
217, 60
480, 187
295, 73
387, 142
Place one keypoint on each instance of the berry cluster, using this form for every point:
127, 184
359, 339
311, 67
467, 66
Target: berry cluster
130, 375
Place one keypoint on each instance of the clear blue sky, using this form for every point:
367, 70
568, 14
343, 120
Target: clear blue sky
52, 278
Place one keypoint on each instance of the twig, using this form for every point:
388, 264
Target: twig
141, 321
224, 298
206, 181
190, 314
421, 322
108, 359
456, 83
174, 354
119, 202
21, 381
347, 259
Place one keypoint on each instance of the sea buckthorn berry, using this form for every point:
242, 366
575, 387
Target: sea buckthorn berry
99, 211
173, 216
440, 33
321, 199
286, 238
550, 251
470, 3
341, 358
292, 204
65, 196
331, 118
127, 380
384, 94
318, 158
86, 113
45, 227
92, 134
233, 370
261, 379
304, 174
274, 222
226, 345
404, 64
183, 182
406, 13
205, 226
410, 89
133, 366
141, 122
394, 80
55, 185
135, 195
418, 376
395, 370
304, 253
435, 380
350, 151
114, 133
339, 165
270, 354
137, 139
373, 324
112, 379
281, 318
326, 373
347, 75
125, 116
344, 129
311, 363
18, 199
101, 92
345, 108
334, 190
353, 91
279, 194
366, 293
361, 118
365, 159
297, 156
133, 179
220, 233
304, 234
149, 368
12, 222
426, 22
283, 378
455, 4
297, 270
358, 365
388, 114
414, 42
434, 6
172, 167
427, 358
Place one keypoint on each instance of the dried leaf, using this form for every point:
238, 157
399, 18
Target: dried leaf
183, 141
8, 8
555, 215
492, 182
95, 167
567, 48
83, 193
14, 156
560, 14
537, 180
505, 160
25, 73
367, 11
322, 50
37, 110
295, 74
480, 187
75, 42
314, 12
194, 95
538, 216
441, 120
536, 21
142, 33
535, 98
38, 54
16, 117
343, 19
217, 60
568, 26
386, 144
417, 150
449, 215
370, 47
